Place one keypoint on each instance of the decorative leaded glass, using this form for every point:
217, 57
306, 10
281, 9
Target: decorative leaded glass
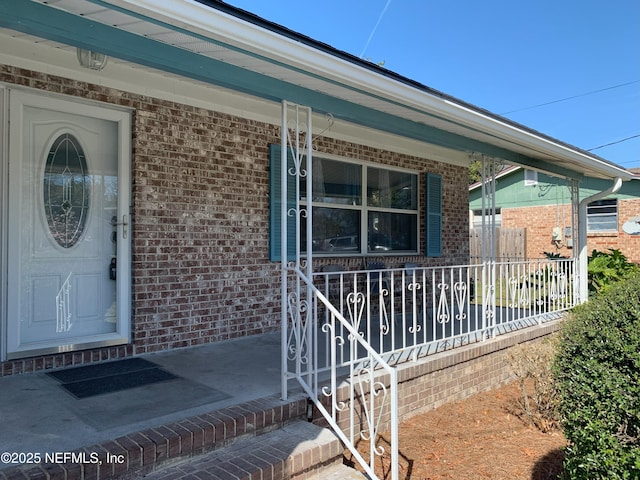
66, 190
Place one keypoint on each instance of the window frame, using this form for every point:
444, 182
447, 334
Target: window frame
477, 214
365, 209
610, 202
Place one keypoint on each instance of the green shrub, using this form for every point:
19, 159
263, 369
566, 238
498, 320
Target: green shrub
597, 370
607, 268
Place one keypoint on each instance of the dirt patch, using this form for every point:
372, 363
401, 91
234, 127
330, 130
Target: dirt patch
477, 438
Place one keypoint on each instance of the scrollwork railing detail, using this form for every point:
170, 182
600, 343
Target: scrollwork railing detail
329, 391
518, 290
298, 317
356, 303
375, 400
443, 314
460, 293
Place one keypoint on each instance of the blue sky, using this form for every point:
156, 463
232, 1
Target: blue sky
501, 55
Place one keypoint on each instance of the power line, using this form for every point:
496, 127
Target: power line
572, 97
613, 143
629, 161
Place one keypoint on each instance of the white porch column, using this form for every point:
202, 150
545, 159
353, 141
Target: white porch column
490, 168
574, 189
295, 166
583, 258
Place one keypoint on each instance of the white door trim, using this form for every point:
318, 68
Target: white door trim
4, 212
12, 102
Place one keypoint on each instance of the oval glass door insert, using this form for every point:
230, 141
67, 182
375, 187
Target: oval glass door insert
66, 190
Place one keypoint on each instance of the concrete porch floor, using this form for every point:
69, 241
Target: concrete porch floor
38, 415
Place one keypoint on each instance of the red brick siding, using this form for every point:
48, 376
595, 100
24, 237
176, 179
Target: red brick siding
200, 267
627, 244
449, 376
539, 222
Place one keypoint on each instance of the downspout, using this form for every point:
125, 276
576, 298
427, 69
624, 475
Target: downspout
582, 237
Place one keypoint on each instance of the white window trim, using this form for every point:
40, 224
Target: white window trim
364, 209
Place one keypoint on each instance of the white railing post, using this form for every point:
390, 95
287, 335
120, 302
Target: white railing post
284, 321
299, 315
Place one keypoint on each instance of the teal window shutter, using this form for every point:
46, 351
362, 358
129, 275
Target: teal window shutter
433, 215
275, 204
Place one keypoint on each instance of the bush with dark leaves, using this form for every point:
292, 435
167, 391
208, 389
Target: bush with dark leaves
597, 371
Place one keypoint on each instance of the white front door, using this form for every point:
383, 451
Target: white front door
68, 226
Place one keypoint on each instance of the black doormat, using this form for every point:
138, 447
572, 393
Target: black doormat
92, 380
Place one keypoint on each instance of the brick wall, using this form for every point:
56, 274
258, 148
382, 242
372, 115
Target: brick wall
539, 222
448, 376
628, 244
200, 267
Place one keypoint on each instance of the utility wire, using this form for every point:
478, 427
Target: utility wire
572, 97
629, 161
375, 28
613, 143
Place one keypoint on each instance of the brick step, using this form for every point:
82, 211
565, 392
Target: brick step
341, 472
299, 450
133, 455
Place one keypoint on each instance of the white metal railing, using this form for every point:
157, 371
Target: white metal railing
346, 331
343, 331
409, 312
357, 398
371, 384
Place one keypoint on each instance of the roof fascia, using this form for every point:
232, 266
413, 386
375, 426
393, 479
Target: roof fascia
231, 29
503, 173
44, 21
54, 24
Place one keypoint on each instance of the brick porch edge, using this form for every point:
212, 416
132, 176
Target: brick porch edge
130, 456
423, 385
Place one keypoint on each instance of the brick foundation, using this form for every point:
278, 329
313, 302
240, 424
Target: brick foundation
452, 375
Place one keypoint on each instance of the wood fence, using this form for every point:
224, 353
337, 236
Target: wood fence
511, 244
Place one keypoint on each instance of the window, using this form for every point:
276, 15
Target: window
530, 178
602, 216
357, 208
66, 189
477, 217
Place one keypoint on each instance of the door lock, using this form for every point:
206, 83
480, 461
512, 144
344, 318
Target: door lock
124, 223
112, 269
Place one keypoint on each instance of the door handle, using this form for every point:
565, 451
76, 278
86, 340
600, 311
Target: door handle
124, 224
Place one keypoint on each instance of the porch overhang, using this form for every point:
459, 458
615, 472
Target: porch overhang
214, 43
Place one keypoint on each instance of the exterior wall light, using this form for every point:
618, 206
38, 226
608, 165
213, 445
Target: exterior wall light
92, 60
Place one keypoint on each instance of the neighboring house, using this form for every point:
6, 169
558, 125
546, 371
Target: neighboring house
541, 205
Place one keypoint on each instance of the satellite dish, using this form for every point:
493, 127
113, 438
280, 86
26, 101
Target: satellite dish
632, 226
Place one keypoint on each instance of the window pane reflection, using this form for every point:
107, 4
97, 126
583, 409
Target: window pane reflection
334, 231
335, 182
391, 189
391, 232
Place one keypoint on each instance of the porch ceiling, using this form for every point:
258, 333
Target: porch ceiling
210, 41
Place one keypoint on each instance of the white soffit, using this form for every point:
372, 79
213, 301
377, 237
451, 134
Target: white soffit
204, 30
33, 53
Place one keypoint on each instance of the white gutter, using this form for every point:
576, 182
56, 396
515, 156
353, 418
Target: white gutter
226, 28
583, 255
